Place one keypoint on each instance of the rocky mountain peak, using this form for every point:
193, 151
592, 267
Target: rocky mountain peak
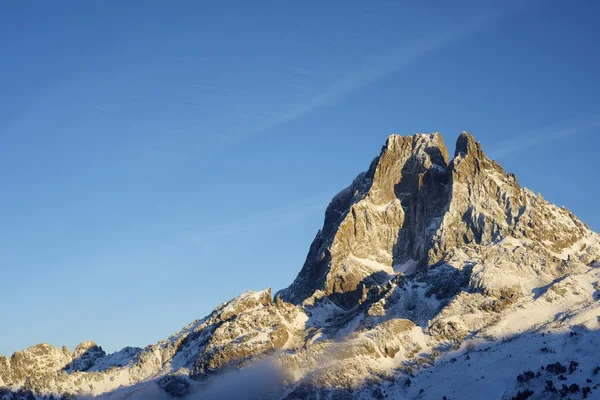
466, 144
429, 148
411, 208
83, 347
85, 355
402, 156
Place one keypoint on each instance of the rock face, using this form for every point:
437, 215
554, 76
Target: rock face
33, 361
412, 206
378, 223
85, 356
421, 259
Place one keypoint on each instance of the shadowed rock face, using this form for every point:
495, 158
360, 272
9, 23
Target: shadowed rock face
85, 355
411, 207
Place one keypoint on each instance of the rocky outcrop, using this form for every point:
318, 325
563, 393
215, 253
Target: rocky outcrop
33, 362
85, 356
249, 327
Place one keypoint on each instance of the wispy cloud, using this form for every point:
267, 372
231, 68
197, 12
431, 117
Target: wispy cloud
560, 130
378, 68
306, 87
267, 219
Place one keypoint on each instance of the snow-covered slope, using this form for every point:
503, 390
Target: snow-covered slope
431, 277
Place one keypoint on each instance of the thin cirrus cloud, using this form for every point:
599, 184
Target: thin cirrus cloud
380, 67
258, 116
268, 219
560, 130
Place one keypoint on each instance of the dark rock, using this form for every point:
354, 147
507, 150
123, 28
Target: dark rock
550, 387
523, 394
573, 388
378, 394
175, 385
573, 366
525, 377
556, 368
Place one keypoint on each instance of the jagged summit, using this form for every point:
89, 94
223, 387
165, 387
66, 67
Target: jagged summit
466, 144
411, 207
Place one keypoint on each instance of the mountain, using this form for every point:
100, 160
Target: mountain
431, 277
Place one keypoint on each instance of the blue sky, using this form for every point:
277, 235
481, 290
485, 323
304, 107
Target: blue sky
158, 160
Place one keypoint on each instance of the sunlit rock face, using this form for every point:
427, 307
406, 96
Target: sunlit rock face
413, 206
382, 222
422, 262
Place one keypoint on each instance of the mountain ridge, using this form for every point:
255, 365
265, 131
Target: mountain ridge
432, 179
421, 256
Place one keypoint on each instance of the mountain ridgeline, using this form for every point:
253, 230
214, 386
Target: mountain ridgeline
411, 207
422, 262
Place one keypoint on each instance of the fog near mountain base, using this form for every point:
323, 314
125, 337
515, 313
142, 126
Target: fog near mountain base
263, 380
